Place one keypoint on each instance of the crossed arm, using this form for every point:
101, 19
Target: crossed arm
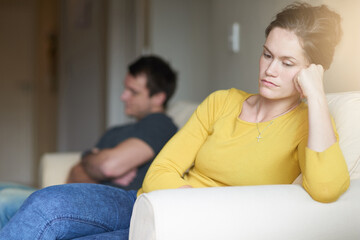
118, 164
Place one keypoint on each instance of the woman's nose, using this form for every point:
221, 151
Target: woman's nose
272, 69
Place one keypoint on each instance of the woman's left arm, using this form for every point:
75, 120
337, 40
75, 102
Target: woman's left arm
325, 173
310, 84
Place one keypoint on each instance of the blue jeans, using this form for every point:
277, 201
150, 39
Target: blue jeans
12, 196
73, 211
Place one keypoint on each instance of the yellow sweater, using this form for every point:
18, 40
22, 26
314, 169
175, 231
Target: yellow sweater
216, 148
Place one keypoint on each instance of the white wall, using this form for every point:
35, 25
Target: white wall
81, 83
240, 69
120, 51
180, 33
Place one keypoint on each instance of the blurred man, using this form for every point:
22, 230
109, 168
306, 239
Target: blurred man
124, 153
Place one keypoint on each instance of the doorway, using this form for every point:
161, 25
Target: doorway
28, 92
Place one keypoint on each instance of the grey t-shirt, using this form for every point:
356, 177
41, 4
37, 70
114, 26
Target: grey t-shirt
155, 129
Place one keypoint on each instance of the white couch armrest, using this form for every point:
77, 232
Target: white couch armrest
249, 212
55, 167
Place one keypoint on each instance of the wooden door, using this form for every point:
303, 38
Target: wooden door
25, 93
17, 74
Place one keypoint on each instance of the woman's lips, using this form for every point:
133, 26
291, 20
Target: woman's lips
268, 83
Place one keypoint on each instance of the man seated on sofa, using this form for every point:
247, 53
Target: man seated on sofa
124, 153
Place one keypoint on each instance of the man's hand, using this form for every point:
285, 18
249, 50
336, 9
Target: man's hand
126, 179
114, 163
77, 174
95, 151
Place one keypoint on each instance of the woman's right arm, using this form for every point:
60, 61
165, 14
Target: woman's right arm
179, 154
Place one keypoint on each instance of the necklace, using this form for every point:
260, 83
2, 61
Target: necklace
257, 123
260, 132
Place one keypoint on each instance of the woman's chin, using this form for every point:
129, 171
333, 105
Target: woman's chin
267, 93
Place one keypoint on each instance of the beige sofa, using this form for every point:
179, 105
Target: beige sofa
248, 212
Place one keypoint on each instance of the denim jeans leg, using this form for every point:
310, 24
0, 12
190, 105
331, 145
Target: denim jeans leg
71, 211
12, 196
11, 200
115, 235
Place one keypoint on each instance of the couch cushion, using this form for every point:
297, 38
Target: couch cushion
345, 108
181, 111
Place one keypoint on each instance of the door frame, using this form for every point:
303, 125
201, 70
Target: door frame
46, 81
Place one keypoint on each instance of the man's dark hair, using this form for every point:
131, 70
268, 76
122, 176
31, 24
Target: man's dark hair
159, 74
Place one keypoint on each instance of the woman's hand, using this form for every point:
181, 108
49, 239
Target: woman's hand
309, 81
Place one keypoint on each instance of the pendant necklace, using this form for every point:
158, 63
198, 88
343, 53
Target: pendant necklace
262, 131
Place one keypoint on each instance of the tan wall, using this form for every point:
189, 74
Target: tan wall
344, 74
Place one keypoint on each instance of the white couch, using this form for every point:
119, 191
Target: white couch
251, 212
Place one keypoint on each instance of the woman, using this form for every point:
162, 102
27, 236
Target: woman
233, 138
236, 138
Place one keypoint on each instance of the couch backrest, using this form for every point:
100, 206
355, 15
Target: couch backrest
345, 109
181, 111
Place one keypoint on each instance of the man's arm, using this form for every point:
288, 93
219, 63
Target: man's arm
77, 174
114, 162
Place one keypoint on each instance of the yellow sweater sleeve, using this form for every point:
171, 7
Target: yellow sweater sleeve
325, 174
179, 153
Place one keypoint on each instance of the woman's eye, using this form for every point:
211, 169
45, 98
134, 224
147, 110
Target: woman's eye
288, 64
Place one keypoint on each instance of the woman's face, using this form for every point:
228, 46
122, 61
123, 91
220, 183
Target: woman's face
281, 60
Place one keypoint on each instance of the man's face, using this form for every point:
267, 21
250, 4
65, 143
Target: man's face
136, 96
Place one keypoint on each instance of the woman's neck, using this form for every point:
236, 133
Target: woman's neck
266, 110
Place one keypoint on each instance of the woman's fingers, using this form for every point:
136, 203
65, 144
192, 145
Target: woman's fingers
309, 81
